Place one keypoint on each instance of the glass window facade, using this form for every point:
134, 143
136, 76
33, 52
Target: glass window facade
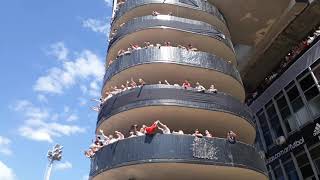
315, 156
265, 128
290, 170
287, 116
274, 120
312, 92
304, 165
296, 102
278, 173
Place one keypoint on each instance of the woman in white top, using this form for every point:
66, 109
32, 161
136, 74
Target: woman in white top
138, 133
207, 133
131, 134
164, 128
212, 89
199, 87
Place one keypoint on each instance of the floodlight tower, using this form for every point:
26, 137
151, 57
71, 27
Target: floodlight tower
54, 155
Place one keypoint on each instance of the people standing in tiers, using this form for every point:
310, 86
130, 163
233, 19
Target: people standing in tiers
104, 140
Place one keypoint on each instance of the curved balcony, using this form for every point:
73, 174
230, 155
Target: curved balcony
174, 157
196, 9
175, 65
179, 109
158, 29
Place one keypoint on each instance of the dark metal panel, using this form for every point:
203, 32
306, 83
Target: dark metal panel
239, 151
149, 95
182, 24
176, 149
172, 55
194, 4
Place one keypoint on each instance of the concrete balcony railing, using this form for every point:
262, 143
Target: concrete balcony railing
179, 109
158, 29
190, 9
175, 65
173, 157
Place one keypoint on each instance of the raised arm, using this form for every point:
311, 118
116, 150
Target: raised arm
167, 82
104, 136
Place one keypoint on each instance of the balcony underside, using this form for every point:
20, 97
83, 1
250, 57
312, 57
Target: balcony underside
205, 40
179, 109
175, 65
175, 157
176, 171
249, 21
204, 12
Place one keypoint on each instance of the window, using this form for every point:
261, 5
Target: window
287, 117
305, 166
297, 103
278, 173
311, 90
315, 156
290, 170
265, 128
273, 119
270, 174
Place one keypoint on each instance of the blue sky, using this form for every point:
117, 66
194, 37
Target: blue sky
52, 56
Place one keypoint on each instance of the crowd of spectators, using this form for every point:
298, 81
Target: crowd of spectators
285, 63
102, 140
147, 44
114, 32
114, 90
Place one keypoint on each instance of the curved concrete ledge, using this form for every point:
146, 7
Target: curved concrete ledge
158, 29
196, 9
179, 109
175, 65
174, 157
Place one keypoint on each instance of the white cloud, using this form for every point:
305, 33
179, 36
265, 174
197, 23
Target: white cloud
59, 51
36, 126
4, 146
72, 117
86, 67
108, 2
84, 89
66, 109
63, 166
85, 177
6, 173
96, 25
42, 98
94, 89
82, 101
55, 117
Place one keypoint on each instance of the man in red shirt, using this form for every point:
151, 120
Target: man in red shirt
151, 129
186, 84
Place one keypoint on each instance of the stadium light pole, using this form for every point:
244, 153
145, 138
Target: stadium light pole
54, 155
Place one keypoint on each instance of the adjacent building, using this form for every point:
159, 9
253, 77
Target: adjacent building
287, 115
